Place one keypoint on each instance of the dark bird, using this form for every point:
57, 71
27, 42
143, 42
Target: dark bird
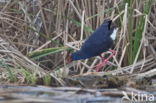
98, 42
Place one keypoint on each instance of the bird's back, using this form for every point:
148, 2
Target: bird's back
98, 42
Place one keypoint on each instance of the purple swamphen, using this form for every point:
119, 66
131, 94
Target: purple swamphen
98, 42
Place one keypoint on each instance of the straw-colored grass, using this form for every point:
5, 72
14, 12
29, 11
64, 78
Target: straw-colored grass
36, 37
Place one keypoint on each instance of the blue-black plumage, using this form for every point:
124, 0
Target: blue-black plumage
98, 42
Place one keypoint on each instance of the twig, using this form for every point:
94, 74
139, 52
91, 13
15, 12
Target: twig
153, 52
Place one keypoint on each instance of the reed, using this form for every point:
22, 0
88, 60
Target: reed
38, 36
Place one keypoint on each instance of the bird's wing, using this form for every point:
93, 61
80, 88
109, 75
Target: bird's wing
98, 42
95, 45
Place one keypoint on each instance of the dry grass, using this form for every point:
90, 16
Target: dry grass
48, 29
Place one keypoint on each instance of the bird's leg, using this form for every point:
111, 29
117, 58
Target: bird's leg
101, 64
104, 61
102, 58
112, 51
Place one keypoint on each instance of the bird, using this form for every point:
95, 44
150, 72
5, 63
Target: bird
101, 40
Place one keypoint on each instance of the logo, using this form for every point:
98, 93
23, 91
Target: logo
137, 97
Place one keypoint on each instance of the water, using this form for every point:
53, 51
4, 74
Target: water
43, 94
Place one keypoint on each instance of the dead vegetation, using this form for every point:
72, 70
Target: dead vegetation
36, 37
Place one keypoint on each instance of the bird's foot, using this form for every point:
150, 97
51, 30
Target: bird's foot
97, 67
104, 61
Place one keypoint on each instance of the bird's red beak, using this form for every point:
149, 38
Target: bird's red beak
69, 58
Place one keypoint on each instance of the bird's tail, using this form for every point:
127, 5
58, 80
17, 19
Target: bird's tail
108, 23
